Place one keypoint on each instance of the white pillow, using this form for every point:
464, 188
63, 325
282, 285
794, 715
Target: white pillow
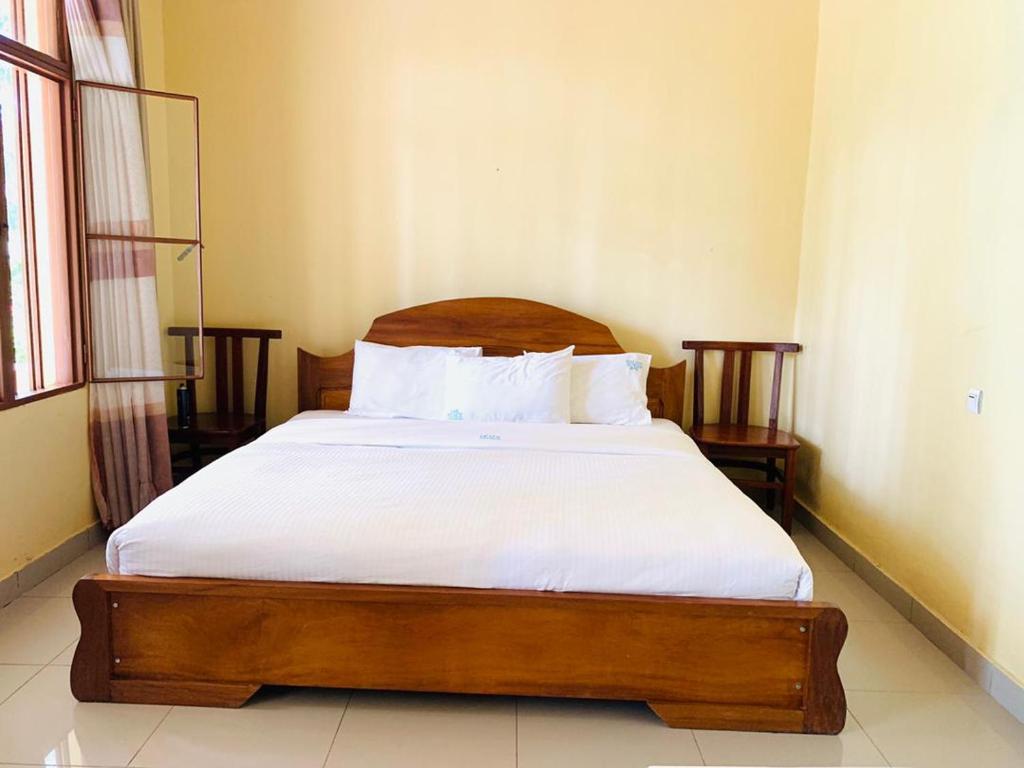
532, 387
389, 382
610, 389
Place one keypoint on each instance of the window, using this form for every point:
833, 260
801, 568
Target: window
141, 230
40, 342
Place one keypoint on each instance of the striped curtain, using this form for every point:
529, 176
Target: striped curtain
130, 453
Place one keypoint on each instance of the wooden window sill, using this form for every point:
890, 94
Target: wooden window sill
41, 394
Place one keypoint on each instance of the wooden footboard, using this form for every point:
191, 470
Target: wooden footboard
698, 663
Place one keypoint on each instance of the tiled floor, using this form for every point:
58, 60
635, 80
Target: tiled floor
909, 706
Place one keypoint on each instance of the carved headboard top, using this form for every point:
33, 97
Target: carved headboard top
501, 326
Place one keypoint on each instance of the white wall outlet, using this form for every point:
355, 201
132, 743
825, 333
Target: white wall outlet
974, 400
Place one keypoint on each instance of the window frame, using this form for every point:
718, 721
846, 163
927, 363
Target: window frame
58, 71
199, 360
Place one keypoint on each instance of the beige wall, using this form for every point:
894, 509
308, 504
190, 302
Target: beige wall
644, 168
910, 283
45, 496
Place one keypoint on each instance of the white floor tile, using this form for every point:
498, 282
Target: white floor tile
884, 656
818, 556
851, 747
393, 729
931, 730
33, 630
43, 724
553, 733
66, 656
64, 580
292, 727
13, 676
858, 601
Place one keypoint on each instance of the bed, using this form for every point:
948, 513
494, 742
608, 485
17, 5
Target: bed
528, 559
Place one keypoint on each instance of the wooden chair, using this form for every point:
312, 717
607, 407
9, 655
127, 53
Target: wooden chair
732, 442
227, 428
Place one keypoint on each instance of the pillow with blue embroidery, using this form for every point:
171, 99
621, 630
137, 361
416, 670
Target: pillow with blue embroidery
610, 389
533, 387
393, 382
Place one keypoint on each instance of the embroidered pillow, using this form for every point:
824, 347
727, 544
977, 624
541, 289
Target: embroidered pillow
533, 387
610, 389
389, 382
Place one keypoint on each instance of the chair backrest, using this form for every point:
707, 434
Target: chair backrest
221, 337
745, 350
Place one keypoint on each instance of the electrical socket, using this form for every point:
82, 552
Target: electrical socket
974, 400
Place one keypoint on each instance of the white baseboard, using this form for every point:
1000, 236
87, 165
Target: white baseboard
38, 570
985, 672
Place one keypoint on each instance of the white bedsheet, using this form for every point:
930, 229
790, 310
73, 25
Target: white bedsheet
573, 507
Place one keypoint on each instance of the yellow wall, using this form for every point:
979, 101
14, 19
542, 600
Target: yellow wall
44, 477
910, 293
645, 168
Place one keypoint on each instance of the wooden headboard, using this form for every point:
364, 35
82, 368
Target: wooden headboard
501, 327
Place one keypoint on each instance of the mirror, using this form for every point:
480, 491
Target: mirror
139, 158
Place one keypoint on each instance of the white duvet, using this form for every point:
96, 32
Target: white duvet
573, 507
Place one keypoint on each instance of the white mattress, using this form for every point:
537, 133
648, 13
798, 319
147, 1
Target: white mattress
573, 507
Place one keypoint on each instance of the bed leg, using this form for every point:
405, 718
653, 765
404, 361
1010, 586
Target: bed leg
91, 667
825, 700
92, 677
182, 693
823, 709
728, 717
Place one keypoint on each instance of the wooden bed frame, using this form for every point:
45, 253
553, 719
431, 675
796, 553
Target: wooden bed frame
761, 665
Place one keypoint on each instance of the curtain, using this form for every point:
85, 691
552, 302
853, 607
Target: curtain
130, 453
